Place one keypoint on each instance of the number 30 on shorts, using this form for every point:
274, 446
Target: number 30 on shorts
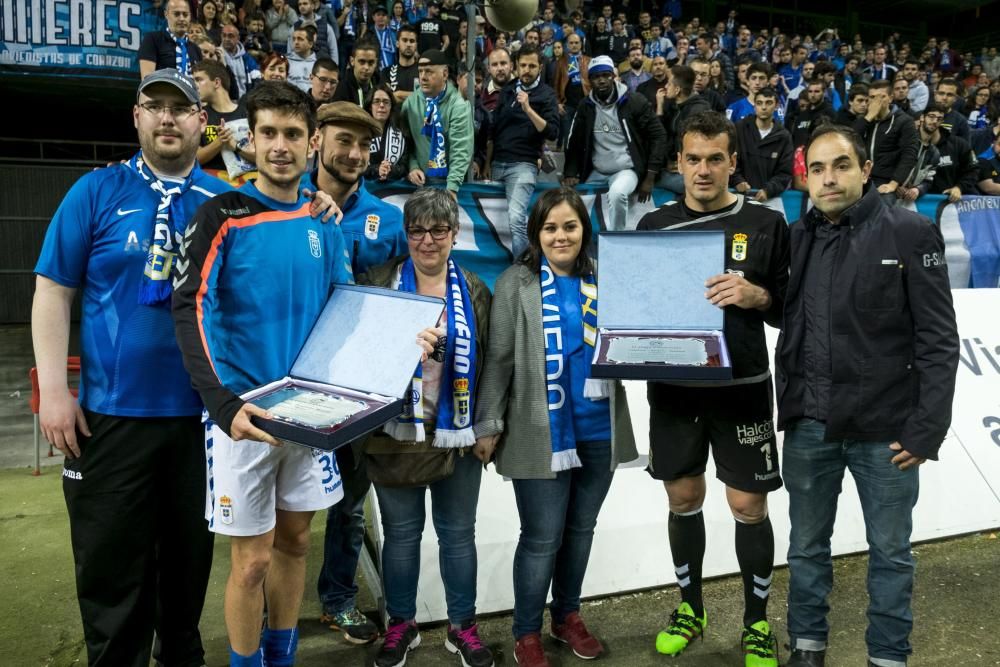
329, 462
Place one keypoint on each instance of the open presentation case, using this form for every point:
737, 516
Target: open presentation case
653, 320
354, 371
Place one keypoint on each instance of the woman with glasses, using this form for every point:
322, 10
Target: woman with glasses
388, 152
557, 433
430, 446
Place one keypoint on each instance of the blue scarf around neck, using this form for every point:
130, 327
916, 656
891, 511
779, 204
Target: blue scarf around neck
181, 59
559, 393
433, 129
453, 427
168, 232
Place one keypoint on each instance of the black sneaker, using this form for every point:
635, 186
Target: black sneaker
466, 643
803, 658
357, 628
400, 637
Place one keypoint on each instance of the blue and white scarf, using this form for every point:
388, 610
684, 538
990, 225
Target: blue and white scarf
387, 44
558, 391
573, 70
433, 129
181, 58
453, 427
168, 233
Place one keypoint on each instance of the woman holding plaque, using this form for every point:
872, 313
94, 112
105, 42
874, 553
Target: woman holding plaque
557, 433
430, 445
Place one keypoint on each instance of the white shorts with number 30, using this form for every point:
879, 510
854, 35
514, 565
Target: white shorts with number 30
248, 480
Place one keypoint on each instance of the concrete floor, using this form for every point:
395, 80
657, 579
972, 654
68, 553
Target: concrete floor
956, 605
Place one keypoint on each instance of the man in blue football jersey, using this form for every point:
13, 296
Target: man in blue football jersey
134, 476
254, 275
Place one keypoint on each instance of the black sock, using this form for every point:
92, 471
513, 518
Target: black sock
755, 553
687, 546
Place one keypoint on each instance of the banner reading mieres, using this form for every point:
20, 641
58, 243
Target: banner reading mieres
79, 38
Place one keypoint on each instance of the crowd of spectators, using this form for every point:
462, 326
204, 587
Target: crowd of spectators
929, 112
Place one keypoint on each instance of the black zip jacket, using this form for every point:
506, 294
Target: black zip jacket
673, 118
514, 136
800, 123
646, 138
766, 164
892, 146
765, 264
893, 339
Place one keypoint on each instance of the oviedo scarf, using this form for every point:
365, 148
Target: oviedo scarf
433, 129
181, 53
573, 69
559, 392
453, 427
168, 233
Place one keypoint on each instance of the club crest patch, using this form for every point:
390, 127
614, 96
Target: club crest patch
314, 246
371, 226
739, 252
461, 398
226, 509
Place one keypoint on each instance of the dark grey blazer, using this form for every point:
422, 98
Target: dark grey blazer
512, 396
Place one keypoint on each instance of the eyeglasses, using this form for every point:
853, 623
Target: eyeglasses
437, 233
326, 81
381, 102
178, 112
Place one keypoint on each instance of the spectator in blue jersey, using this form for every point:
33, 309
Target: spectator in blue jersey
431, 449
758, 75
791, 72
560, 445
359, 78
526, 116
140, 545
170, 48
385, 37
255, 273
373, 233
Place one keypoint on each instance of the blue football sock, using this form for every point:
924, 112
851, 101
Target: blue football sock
256, 659
279, 646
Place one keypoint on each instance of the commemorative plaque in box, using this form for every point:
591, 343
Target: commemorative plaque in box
653, 320
354, 370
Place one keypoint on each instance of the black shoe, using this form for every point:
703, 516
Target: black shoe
466, 643
356, 627
400, 637
803, 658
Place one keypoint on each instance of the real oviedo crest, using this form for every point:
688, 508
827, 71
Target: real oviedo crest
739, 252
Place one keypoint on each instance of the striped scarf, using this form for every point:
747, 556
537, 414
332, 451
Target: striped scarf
559, 392
453, 427
181, 59
168, 229
433, 129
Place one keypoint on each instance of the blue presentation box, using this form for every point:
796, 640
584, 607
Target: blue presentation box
353, 373
653, 320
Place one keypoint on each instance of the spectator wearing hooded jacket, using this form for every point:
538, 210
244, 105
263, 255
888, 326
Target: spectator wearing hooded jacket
953, 169
764, 157
241, 63
892, 139
615, 138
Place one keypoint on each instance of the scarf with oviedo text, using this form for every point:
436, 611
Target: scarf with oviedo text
558, 390
168, 232
433, 129
181, 59
453, 427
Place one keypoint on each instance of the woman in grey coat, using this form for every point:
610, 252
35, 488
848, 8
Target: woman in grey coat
557, 433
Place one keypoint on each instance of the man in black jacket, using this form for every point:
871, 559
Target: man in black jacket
615, 138
526, 115
734, 418
811, 109
865, 379
893, 137
856, 107
764, 162
955, 168
675, 103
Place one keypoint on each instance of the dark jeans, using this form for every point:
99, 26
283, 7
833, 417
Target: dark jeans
142, 548
453, 511
814, 471
345, 536
558, 517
